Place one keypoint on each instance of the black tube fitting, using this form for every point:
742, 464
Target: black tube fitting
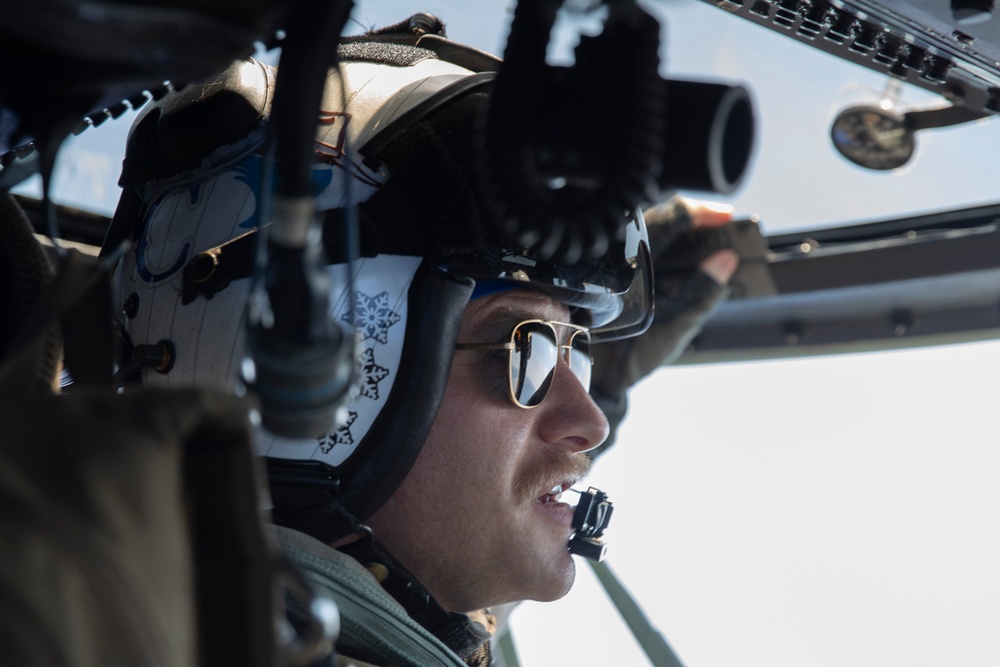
710, 131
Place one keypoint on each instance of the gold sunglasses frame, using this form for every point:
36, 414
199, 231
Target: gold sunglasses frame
510, 346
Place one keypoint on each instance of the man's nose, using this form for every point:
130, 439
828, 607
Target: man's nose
569, 416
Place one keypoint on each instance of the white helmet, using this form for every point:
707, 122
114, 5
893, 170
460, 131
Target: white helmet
401, 154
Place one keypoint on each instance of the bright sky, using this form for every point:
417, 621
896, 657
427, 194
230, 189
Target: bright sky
808, 513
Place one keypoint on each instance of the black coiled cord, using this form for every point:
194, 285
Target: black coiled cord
565, 151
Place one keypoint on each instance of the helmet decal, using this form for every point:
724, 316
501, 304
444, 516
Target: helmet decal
339, 436
228, 196
381, 286
372, 316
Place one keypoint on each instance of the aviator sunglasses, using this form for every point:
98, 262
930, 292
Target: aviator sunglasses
533, 354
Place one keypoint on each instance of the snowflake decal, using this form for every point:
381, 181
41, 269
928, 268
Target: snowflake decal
374, 317
339, 436
371, 374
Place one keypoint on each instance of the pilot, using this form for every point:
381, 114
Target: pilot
445, 488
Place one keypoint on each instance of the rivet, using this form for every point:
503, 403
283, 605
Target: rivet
160, 357
379, 571
130, 308
963, 38
203, 266
423, 23
168, 353
900, 323
793, 332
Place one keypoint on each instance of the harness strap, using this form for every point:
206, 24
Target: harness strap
460, 633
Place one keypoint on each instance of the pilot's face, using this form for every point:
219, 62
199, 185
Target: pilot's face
474, 520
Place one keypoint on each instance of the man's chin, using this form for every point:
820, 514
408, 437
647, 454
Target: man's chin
558, 584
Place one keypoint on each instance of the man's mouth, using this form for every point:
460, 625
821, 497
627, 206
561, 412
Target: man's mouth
546, 481
555, 493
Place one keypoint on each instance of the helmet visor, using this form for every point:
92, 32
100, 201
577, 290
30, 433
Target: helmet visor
615, 289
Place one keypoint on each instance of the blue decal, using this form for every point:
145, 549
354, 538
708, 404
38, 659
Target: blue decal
140, 255
321, 179
248, 173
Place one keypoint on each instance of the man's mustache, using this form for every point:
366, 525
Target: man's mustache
554, 466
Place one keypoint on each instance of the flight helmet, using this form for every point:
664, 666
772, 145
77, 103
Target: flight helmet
406, 231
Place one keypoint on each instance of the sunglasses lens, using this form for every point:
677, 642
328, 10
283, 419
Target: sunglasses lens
534, 358
532, 361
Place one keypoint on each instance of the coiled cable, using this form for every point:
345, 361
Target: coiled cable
565, 151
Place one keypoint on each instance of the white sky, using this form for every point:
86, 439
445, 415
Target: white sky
807, 513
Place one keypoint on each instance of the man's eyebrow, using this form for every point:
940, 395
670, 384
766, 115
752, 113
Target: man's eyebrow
499, 323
